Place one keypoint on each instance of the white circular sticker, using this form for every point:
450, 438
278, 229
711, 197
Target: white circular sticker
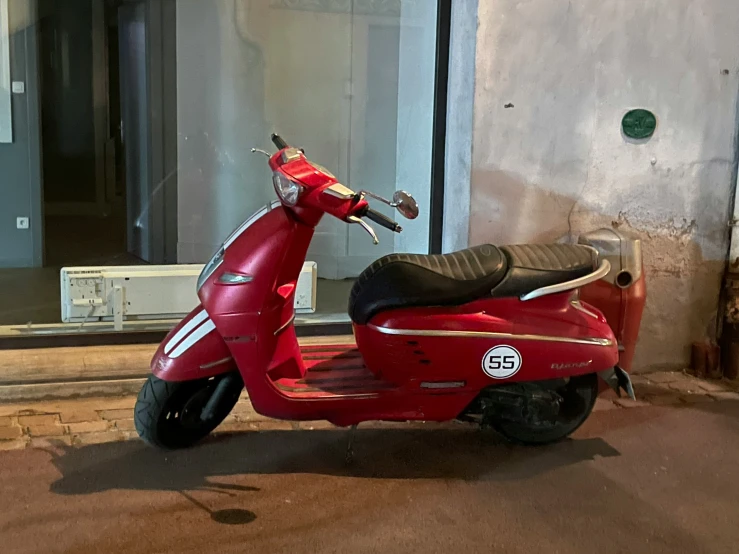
501, 362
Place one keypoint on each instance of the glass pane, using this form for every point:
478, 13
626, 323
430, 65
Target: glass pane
146, 116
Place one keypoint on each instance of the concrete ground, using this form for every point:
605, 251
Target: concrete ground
653, 476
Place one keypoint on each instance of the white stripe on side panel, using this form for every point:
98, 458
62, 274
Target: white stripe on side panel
189, 326
192, 338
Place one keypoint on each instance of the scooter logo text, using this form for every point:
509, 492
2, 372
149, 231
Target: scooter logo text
573, 365
501, 362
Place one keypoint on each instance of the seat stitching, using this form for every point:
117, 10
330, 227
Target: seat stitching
474, 255
448, 265
539, 257
473, 273
561, 254
461, 271
438, 264
552, 253
515, 257
528, 255
543, 258
564, 252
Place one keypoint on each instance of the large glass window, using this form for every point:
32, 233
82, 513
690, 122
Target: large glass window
132, 143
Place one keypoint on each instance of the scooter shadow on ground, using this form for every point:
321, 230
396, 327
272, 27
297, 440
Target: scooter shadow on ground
379, 453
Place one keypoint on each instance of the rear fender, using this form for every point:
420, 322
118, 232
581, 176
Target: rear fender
192, 350
618, 380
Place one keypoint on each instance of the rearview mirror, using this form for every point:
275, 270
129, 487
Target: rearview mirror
405, 204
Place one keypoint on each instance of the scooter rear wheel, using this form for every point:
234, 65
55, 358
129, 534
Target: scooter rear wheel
578, 398
168, 414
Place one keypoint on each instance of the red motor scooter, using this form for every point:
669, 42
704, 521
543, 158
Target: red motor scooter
491, 335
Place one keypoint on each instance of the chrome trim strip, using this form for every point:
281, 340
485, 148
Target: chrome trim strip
216, 363
443, 384
285, 325
488, 335
249, 222
228, 278
339, 191
210, 269
291, 154
580, 308
245, 225
602, 271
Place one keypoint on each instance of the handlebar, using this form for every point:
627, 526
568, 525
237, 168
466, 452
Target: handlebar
368, 212
382, 220
278, 141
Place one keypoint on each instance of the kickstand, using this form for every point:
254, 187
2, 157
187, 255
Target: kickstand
349, 459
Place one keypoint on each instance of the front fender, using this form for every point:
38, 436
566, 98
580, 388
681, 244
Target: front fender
192, 350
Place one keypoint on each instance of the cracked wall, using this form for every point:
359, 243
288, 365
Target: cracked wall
553, 80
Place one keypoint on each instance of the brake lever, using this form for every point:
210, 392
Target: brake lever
260, 151
365, 226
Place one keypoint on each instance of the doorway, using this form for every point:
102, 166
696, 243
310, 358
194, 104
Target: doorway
82, 225
103, 187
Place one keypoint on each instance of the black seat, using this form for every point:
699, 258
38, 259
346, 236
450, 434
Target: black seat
533, 266
411, 280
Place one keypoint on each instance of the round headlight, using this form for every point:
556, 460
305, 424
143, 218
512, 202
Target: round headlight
288, 191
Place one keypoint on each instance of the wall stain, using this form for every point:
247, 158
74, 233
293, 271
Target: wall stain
683, 286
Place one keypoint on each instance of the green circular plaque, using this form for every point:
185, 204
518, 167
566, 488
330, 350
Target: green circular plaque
639, 124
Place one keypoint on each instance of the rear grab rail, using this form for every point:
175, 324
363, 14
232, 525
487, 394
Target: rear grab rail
602, 271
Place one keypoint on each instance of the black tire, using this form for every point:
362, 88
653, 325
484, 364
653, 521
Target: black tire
167, 414
580, 394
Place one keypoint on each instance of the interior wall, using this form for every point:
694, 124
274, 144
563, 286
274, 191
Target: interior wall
220, 116
553, 80
342, 80
20, 161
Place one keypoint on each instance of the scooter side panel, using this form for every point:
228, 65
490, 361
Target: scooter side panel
192, 350
258, 254
255, 317
546, 338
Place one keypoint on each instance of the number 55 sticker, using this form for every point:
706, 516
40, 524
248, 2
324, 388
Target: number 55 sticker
501, 362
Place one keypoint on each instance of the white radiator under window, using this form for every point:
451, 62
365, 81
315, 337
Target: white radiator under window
119, 293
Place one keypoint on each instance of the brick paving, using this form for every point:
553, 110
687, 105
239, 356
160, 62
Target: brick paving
102, 420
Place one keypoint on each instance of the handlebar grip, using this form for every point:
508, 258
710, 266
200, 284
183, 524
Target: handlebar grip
383, 220
278, 141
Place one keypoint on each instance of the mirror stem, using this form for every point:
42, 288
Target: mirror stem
377, 197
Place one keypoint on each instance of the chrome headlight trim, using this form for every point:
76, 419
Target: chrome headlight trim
217, 259
210, 268
287, 189
228, 278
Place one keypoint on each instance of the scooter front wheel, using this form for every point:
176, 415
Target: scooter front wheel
171, 414
575, 399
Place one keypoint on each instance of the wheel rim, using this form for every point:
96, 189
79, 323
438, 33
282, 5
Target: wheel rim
190, 417
577, 396
184, 413
572, 403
